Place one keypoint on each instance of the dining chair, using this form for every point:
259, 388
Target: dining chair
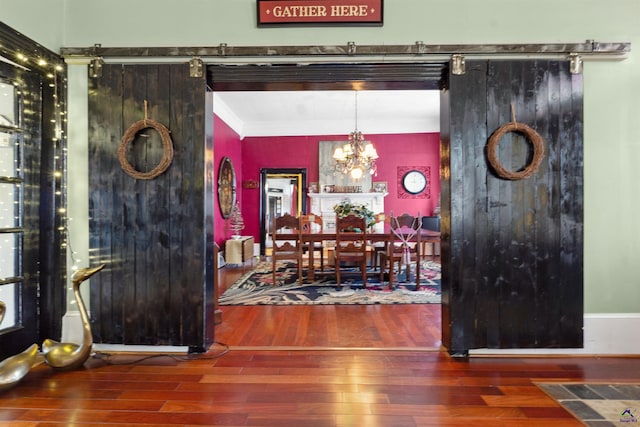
351, 245
286, 243
312, 223
403, 247
430, 237
380, 246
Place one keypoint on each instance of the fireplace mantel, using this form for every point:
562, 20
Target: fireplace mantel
323, 203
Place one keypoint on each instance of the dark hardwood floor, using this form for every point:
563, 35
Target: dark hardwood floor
413, 326
305, 388
262, 380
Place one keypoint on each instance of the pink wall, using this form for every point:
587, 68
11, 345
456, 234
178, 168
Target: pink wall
226, 143
253, 153
302, 152
422, 149
276, 152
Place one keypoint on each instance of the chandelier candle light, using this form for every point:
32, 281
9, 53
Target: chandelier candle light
356, 156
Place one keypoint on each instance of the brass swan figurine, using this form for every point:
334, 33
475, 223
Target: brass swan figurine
14, 368
68, 356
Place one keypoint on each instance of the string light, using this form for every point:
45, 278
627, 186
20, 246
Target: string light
54, 120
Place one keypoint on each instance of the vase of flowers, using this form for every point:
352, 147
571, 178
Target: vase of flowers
345, 208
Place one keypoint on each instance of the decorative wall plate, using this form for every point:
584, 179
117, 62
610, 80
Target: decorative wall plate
226, 187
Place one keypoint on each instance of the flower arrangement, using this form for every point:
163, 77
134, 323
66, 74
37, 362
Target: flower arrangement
345, 208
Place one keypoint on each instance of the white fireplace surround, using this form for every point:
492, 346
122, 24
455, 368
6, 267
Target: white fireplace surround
323, 203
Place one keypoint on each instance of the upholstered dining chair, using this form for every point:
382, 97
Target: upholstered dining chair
286, 242
403, 247
430, 237
351, 245
312, 223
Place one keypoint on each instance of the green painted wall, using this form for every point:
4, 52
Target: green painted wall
40, 20
612, 88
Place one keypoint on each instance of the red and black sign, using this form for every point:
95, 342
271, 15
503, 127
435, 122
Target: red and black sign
312, 12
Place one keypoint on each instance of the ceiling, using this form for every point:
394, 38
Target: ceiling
299, 113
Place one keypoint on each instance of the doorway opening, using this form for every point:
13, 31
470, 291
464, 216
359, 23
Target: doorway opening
391, 78
282, 191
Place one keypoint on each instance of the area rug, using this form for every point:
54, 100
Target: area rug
256, 288
602, 405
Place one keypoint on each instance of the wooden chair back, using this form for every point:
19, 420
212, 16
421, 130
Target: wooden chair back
381, 224
312, 223
286, 243
351, 244
404, 245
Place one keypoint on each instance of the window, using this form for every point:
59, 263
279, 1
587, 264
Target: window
11, 203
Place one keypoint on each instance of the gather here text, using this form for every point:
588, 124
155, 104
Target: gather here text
320, 11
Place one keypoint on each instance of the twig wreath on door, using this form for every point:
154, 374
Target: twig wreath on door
532, 136
129, 136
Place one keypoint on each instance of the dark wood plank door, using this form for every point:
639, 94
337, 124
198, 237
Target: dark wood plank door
157, 288
512, 250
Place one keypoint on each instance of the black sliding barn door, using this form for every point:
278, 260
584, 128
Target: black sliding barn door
153, 234
512, 249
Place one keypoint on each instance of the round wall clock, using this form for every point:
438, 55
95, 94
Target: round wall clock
414, 182
226, 187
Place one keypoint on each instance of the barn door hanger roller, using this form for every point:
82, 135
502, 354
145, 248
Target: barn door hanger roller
458, 66
196, 67
95, 65
575, 63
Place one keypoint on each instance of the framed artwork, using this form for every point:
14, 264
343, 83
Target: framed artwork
328, 188
327, 169
379, 187
414, 182
319, 12
226, 187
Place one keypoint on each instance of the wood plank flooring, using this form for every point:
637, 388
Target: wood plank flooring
415, 326
272, 386
305, 388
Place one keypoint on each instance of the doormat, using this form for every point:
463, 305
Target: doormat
602, 405
256, 288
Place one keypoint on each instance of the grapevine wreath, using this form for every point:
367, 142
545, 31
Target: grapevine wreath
128, 137
533, 137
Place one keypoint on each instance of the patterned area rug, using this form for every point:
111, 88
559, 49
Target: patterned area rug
256, 288
602, 405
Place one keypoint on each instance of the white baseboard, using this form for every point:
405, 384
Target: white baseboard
604, 334
119, 348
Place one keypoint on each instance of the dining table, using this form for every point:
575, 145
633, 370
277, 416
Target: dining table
323, 237
428, 236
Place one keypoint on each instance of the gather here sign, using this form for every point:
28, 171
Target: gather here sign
282, 12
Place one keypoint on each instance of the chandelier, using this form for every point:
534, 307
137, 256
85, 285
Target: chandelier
357, 156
